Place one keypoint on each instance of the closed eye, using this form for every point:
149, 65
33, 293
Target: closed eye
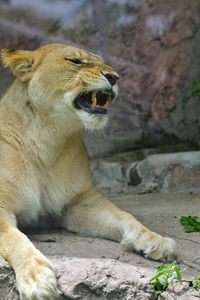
76, 61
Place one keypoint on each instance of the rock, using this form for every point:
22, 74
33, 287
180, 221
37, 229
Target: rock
7, 282
102, 279
88, 279
191, 294
173, 172
108, 175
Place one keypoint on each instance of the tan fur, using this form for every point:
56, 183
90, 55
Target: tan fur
44, 164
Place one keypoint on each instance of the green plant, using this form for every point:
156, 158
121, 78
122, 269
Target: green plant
164, 276
197, 92
196, 282
190, 223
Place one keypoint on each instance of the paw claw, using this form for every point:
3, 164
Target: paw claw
164, 249
152, 245
37, 280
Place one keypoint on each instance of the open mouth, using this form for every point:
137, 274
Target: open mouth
94, 102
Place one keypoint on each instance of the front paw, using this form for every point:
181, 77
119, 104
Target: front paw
36, 280
152, 245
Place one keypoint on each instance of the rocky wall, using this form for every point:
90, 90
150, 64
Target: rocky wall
154, 45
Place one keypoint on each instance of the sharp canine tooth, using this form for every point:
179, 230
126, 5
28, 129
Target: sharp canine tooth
94, 99
108, 102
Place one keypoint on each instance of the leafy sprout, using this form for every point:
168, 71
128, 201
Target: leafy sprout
197, 91
164, 276
196, 282
190, 223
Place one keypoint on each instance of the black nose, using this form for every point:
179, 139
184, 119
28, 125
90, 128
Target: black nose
112, 79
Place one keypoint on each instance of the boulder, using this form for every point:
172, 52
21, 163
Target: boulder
175, 172
172, 172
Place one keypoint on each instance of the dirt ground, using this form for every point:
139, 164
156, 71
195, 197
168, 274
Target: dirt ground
160, 212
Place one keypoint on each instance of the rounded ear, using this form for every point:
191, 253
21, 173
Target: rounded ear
22, 63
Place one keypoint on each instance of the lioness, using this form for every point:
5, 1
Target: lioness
43, 161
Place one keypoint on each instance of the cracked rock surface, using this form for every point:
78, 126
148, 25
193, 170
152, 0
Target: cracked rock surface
92, 268
132, 172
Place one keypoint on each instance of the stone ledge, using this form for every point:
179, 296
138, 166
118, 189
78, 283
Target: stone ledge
174, 172
95, 279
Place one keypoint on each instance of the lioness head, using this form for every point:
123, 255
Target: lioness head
65, 80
